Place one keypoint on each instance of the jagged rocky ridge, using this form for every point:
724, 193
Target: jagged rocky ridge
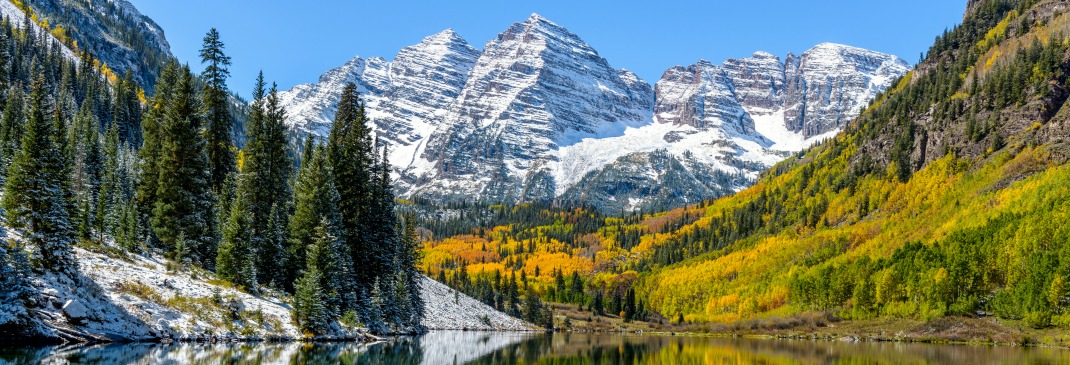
539, 115
114, 32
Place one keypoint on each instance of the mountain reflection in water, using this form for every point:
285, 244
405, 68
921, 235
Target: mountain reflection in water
454, 347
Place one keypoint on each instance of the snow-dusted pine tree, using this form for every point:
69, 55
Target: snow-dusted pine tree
37, 193
11, 125
184, 200
309, 309
266, 172
235, 257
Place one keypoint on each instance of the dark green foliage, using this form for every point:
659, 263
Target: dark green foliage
184, 200
408, 256
382, 263
15, 290
351, 156
537, 313
315, 197
38, 200
310, 311
218, 120
327, 270
88, 163
266, 171
151, 151
126, 110
629, 307
236, 257
11, 124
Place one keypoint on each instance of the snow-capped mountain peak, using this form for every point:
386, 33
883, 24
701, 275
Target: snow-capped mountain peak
539, 115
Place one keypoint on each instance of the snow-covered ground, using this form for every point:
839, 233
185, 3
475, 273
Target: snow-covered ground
447, 309
137, 297
710, 147
772, 127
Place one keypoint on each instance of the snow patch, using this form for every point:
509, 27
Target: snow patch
447, 309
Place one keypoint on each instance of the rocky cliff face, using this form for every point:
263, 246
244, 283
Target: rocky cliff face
829, 84
534, 89
539, 115
406, 99
114, 32
717, 126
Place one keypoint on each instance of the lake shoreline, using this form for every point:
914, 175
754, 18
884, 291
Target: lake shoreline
953, 330
940, 331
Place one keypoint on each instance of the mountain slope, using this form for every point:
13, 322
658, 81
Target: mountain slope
535, 89
113, 31
723, 124
940, 199
946, 197
538, 115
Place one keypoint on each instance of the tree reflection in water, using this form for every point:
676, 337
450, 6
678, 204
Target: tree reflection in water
449, 347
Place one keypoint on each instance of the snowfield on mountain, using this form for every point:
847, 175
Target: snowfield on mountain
539, 115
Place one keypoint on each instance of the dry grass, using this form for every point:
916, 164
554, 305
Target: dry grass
139, 290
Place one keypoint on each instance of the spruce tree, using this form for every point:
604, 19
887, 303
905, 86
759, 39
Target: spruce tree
401, 311
266, 171
351, 156
309, 309
11, 125
376, 302
217, 113
236, 255
184, 199
15, 289
37, 194
383, 234
332, 259
151, 152
126, 109
408, 256
110, 197
88, 163
314, 200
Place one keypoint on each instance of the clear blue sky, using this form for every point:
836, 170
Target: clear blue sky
294, 42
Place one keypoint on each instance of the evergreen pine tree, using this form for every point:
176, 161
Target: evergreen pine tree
373, 316
235, 257
184, 199
88, 163
110, 202
351, 156
126, 110
532, 308
37, 194
128, 229
11, 125
266, 171
218, 120
314, 210
15, 289
153, 126
409, 256
400, 310
629, 305
310, 311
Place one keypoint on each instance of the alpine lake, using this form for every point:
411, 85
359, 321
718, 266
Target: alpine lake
456, 347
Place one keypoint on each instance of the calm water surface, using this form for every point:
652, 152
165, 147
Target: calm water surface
511, 348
